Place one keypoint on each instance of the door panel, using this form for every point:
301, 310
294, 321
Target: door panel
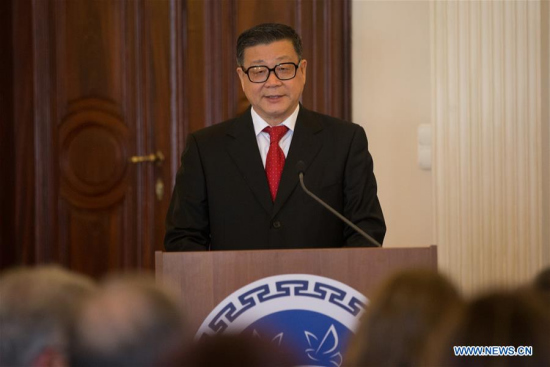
97, 125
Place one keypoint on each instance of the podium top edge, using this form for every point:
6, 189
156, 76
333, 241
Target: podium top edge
430, 247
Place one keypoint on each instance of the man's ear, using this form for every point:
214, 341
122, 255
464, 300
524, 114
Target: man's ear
303, 67
242, 76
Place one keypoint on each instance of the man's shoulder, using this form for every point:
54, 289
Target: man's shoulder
327, 121
219, 129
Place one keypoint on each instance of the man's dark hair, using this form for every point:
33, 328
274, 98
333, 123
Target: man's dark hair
264, 34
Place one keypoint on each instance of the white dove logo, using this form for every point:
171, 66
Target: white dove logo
325, 351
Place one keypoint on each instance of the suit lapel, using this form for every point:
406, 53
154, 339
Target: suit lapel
242, 146
304, 147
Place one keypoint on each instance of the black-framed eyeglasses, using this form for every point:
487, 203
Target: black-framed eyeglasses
260, 73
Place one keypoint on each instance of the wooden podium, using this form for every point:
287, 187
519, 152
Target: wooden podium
204, 279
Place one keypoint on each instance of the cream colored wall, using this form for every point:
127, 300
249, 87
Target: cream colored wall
545, 64
391, 98
488, 176
392, 95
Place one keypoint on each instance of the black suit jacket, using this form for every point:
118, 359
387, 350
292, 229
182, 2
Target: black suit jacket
221, 199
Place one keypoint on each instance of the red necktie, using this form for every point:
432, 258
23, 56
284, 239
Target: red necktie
275, 160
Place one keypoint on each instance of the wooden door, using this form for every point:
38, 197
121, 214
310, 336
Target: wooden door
98, 82
92, 90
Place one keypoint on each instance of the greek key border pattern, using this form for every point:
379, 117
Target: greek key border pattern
287, 288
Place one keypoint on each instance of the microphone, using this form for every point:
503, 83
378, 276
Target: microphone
301, 167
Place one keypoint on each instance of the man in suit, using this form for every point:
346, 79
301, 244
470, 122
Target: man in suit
238, 188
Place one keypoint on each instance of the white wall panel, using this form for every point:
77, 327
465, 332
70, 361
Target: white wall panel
486, 70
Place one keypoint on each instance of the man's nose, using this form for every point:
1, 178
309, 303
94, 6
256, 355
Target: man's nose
272, 79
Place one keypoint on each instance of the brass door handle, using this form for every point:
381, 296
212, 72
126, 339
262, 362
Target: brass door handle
157, 158
159, 189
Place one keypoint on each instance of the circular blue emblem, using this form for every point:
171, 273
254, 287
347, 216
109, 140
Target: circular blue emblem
311, 316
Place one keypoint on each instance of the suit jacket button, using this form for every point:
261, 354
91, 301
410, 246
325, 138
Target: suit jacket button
276, 224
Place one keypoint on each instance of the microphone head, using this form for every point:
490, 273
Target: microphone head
300, 167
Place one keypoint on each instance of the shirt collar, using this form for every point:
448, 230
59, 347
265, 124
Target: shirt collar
260, 124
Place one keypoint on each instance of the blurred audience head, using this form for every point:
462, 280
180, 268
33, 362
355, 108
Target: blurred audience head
236, 351
542, 281
541, 286
131, 321
407, 308
37, 307
514, 318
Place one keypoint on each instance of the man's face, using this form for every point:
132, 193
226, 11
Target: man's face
274, 100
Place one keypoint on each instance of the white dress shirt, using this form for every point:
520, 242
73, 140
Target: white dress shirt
262, 137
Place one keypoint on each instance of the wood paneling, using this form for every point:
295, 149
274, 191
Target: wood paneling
326, 33
92, 48
96, 82
24, 134
158, 50
8, 251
